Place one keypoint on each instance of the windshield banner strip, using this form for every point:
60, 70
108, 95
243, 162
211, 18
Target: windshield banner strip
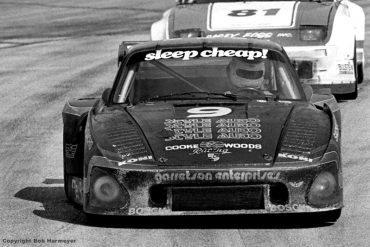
214, 52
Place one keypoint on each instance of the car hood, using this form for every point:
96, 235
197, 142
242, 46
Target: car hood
213, 134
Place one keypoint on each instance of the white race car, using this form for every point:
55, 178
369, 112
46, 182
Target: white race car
323, 38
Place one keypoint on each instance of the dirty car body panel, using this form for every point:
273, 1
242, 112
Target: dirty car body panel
172, 138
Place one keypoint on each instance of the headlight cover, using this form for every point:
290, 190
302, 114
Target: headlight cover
324, 190
312, 33
188, 33
106, 192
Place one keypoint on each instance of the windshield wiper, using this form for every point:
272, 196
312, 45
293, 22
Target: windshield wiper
176, 75
269, 96
176, 95
272, 96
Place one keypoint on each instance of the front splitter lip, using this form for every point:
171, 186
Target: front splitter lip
138, 180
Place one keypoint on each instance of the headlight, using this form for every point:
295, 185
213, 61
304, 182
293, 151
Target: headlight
323, 190
312, 33
106, 189
106, 192
188, 33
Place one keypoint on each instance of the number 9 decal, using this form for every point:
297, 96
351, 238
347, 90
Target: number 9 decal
208, 111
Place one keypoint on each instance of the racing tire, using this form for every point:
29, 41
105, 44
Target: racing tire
360, 73
352, 95
326, 217
66, 190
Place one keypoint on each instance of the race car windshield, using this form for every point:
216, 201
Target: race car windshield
215, 73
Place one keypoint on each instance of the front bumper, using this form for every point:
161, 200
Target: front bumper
324, 67
213, 191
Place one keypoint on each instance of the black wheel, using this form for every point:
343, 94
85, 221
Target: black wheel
349, 96
66, 187
360, 73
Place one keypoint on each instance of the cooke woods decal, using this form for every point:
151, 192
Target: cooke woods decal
201, 129
213, 149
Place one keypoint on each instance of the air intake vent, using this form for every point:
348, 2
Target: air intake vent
126, 140
300, 137
306, 135
217, 198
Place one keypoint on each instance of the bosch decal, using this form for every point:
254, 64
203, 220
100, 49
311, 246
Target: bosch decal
288, 208
147, 211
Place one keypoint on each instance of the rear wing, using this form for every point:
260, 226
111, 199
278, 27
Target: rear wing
123, 49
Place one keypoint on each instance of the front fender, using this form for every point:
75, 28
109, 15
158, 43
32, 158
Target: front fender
74, 120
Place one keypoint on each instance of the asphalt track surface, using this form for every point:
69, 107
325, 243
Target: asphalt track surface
53, 50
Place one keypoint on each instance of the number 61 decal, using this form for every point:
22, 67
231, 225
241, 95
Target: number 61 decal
208, 111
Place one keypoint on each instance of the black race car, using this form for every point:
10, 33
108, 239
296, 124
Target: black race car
201, 127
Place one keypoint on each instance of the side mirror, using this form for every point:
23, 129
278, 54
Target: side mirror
105, 95
308, 91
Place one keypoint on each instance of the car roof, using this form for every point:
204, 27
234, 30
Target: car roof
189, 43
